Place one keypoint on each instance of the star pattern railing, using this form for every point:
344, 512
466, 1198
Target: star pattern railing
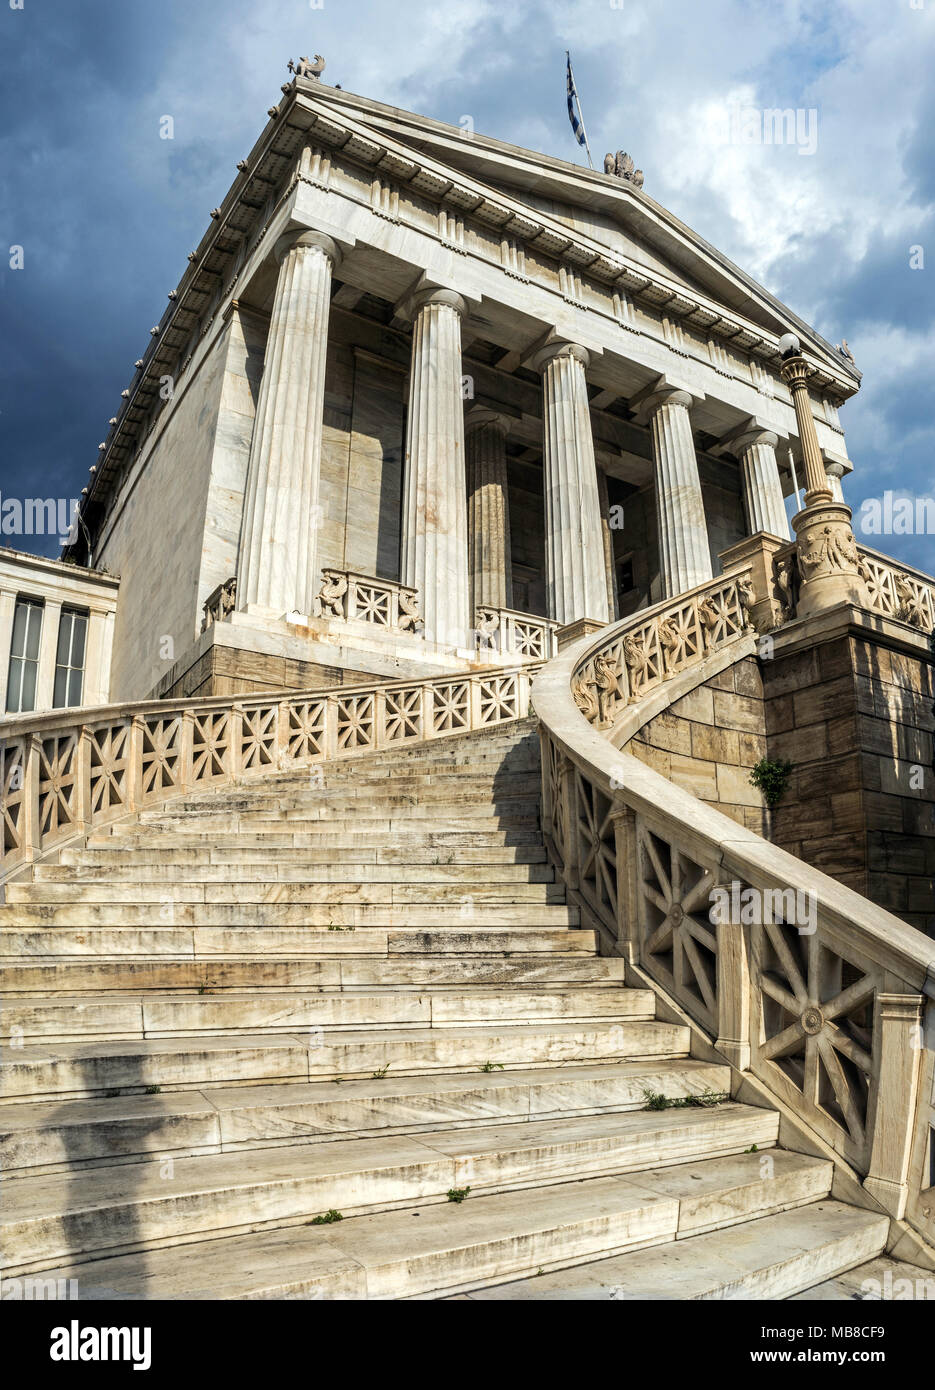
63, 774
806, 985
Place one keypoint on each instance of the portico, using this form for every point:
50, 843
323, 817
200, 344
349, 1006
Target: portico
465, 402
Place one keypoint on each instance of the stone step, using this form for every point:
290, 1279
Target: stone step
774, 1257
90, 1068
426, 913
209, 943
69, 1135
129, 840
881, 1279
132, 1016
370, 814
324, 790
451, 1247
298, 868
233, 889
263, 973
138, 1207
121, 855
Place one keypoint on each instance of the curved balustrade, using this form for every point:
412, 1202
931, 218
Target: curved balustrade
795, 979
62, 774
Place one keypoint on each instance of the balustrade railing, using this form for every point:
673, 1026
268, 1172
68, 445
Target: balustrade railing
795, 979
508, 633
353, 597
62, 774
893, 590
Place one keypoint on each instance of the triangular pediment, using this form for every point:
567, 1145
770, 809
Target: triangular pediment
600, 210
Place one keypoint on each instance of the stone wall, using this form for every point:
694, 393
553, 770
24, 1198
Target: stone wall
855, 718
709, 740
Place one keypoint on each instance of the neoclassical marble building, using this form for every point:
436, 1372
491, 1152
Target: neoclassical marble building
421, 397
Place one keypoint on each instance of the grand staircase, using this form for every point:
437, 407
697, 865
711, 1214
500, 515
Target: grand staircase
357, 992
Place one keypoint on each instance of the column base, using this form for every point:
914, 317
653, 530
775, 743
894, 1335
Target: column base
827, 559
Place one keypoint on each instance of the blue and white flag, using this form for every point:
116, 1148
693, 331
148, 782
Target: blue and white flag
574, 111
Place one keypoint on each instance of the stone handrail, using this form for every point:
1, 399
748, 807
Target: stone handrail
800, 983
513, 634
354, 597
651, 647
62, 774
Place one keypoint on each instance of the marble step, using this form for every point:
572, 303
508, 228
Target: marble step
263, 973
773, 1257
156, 1016
299, 867
67, 1135
122, 856
128, 839
138, 1206
209, 943
464, 811
435, 1250
881, 1279
425, 913
78, 1069
400, 791
480, 888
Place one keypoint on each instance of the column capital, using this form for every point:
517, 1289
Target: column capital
411, 305
479, 415
747, 435
560, 347
304, 236
656, 395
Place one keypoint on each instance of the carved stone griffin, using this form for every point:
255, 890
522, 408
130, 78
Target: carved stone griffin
306, 68
331, 594
409, 615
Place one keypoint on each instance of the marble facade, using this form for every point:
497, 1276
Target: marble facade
498, 380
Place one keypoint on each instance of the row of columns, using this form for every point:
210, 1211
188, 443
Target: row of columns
455, 536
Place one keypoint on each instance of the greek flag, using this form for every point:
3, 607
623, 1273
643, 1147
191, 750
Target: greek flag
574, 111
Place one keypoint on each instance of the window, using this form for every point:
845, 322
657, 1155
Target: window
932, 1157
24, 656
625, 576
69, 660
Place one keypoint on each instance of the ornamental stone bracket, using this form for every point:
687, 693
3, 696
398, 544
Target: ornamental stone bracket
220, 604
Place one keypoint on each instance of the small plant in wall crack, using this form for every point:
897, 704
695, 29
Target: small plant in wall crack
771, 776
655, 1100
457, 1194
326, 1218
492, 1066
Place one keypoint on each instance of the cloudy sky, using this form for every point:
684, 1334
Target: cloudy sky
106, 211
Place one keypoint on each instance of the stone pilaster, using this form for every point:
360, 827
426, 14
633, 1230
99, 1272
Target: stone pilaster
762, 490
278, 569
488, 510
684, 554
434, 535
576, 582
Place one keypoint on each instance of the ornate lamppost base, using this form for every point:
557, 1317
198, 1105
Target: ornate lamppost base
828, 561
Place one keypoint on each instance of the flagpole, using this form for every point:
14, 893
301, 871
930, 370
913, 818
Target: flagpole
587, 143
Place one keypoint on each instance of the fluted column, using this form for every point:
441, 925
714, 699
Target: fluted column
684, 554
488, 510
603, 498
278, 569
576, 582
834, 472
434, 537
762, 489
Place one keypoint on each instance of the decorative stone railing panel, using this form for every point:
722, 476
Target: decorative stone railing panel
61, 777
506, 632
795, 979
898, 591
892, 590
649, 649
353, 597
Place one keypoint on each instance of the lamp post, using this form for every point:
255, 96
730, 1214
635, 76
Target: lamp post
826, 551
